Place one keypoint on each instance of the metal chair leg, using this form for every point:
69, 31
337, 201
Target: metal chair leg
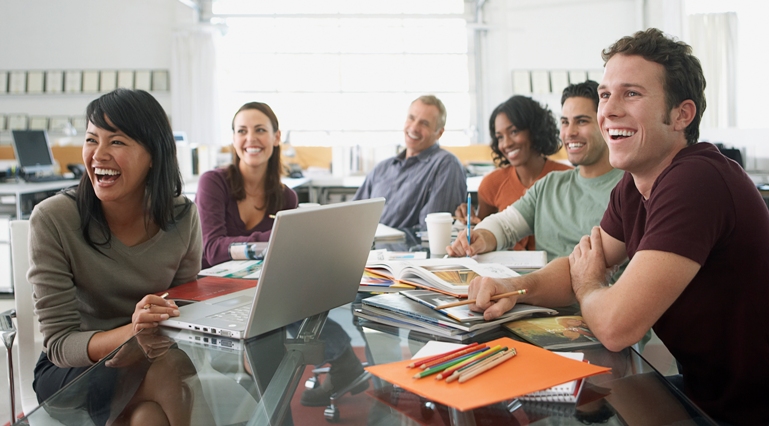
9, 334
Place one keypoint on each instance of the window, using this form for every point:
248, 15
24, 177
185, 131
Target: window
344, 72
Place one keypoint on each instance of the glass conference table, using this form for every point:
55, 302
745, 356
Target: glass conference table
259, 382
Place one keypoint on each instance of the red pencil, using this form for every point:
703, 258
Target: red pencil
434, 357
452, 356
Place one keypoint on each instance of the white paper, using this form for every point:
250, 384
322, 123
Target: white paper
434, 347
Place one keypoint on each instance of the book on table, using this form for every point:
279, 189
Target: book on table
404, 309
560, 332
371, 319
450, 276
372, 283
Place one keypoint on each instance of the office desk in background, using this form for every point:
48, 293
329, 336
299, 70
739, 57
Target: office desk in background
17, 199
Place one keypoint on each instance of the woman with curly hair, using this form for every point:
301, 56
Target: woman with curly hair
523, 133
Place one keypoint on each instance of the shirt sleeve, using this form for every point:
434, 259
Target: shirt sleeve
364, 192
190, 263
54, 291
508, 227
212, 199
449, 188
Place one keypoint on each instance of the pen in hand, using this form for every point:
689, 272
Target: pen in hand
469, 215
147, 306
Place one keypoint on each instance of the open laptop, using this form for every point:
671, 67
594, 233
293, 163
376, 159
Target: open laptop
314, 263
33, 152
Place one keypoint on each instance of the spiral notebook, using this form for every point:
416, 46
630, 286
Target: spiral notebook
566, 392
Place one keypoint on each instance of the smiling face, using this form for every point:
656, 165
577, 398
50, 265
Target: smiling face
632, 115
514, 144
116, 165
253, 139
421, 128
580, 132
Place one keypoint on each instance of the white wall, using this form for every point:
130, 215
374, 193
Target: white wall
84, 35
549, 35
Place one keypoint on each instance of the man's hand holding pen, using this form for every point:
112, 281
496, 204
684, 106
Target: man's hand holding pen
483, 290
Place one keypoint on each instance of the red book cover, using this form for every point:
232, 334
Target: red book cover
205, 288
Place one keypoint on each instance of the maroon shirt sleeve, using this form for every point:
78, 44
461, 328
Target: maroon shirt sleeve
220, 220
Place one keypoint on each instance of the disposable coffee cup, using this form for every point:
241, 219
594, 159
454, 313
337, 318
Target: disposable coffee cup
439, 232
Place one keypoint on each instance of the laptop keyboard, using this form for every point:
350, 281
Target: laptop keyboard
239, 314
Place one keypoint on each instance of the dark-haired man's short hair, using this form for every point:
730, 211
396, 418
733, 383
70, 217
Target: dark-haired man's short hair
586, 89
683, 78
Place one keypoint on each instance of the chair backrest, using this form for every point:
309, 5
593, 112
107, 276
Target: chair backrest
28, 347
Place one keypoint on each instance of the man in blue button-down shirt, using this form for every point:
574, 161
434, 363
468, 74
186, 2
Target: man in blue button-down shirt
423, 178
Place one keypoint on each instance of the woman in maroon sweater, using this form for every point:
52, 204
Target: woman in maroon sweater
235, 203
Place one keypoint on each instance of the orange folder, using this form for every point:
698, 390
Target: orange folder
532, 369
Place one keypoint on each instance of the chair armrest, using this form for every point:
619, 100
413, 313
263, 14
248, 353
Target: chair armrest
7, 329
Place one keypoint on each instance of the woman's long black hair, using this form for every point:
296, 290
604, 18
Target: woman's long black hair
139, 115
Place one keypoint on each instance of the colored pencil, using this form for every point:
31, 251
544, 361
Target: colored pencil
471, 301
458, 373
486, 367
445, 364
451, 356
477, 357
441, 367
434, 357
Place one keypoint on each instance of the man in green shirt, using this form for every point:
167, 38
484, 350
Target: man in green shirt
563, 206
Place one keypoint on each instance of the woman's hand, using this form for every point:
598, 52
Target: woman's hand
461, 215
150, 311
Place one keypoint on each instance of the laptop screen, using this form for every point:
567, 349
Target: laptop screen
32, 151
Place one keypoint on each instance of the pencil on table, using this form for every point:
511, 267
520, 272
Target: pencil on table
482, 369
444, 366
147, 306
453, 361
471, 301
434, 357
475, 358
474, 365
451, 356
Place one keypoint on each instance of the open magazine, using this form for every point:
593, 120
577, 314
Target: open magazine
450, 276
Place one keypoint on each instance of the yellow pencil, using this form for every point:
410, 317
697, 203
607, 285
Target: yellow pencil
469, 375
471, 301
457, 374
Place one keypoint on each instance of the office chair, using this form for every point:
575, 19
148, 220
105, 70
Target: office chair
28, 347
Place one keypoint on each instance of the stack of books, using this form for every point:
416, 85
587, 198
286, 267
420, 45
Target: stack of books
416, 310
